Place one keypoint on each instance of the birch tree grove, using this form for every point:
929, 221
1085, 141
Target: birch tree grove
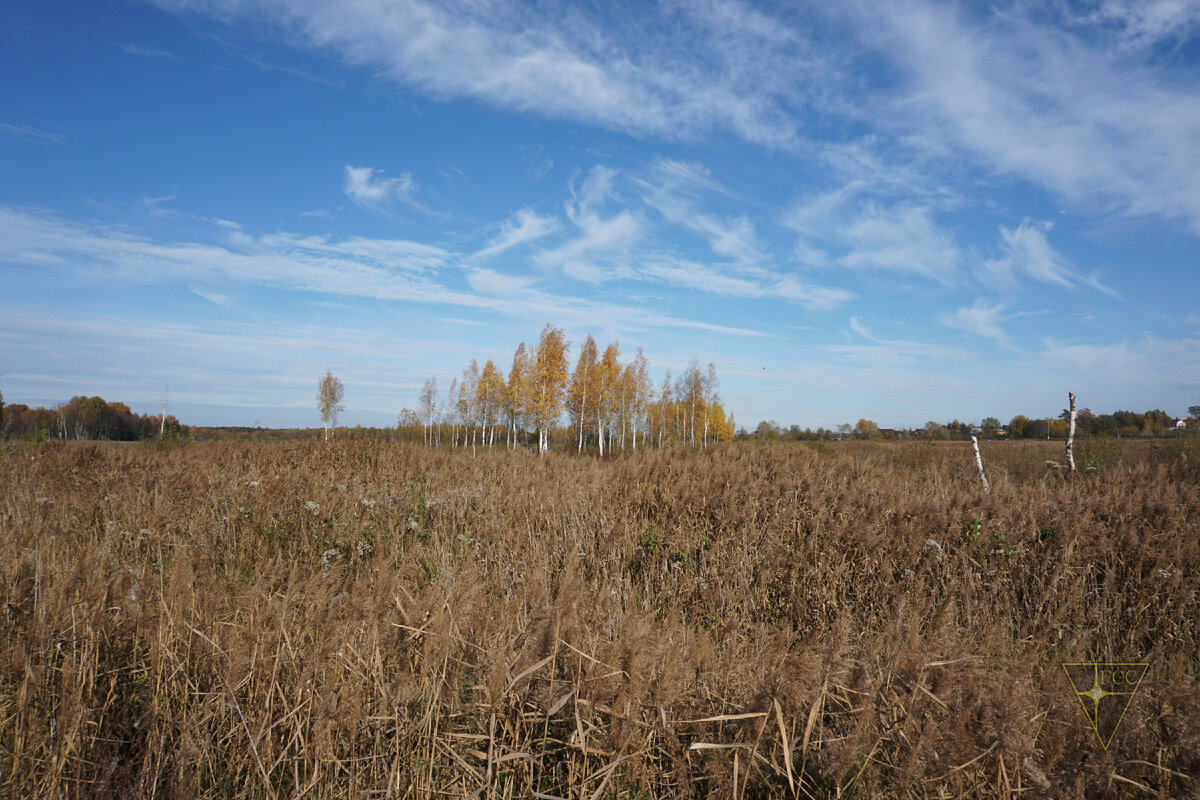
609, 404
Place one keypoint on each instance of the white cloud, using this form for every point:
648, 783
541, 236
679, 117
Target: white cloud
675, 72
213, 297
31, 134
1052, 108
979, 319
600, 250
146, 52
380, 269
710, 278
498, 284
674, 188
384, 269
1145, 23
902, 239
1027, 253
371, 192
1110, 373
891, 352
525, 226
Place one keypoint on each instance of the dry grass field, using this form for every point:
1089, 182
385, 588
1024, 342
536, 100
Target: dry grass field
253, 620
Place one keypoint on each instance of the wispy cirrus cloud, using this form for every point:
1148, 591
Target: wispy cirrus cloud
679, 71
765, 285
674, 188
353, 267
600, 249
523, 227
1139, 24
1146, 366
33, 135
368, 189
890, 352
1026, 252
981, 319
1056, 106
145, 52
1076, 100
217, 298
901, 239
384, 269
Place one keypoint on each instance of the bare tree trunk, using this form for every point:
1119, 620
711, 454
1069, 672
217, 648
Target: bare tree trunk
1071, 435
979, 464
162, 424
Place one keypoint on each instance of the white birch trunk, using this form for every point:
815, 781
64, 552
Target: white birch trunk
979, 464
162, 424
1071, 435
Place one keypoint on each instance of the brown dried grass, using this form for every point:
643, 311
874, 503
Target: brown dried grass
363, 620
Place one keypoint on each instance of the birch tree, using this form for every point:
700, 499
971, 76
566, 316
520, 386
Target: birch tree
689, 394
452, 411
428, 407
516, 394
162, 420
639, 391
607, 374
581, 396
548, 382
664, 401
468, 402
329, 401
490, 400
711, 388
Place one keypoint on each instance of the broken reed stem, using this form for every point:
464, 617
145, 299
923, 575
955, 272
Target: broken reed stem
1071, 435
979, 464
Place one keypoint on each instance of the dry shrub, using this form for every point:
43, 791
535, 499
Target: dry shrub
354, 620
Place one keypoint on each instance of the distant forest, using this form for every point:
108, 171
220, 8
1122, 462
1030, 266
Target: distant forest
95, 418
1120, 424
85, 418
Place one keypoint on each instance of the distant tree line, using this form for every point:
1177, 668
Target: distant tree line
85, 418
1121, 424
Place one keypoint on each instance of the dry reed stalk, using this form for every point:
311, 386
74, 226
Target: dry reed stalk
181, 623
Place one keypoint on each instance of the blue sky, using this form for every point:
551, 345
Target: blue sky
902, 211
